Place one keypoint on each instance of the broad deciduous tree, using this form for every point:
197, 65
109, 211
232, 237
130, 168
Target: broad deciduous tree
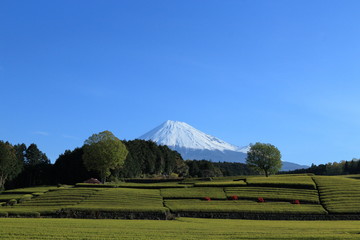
10, 164
104, 152
265, 158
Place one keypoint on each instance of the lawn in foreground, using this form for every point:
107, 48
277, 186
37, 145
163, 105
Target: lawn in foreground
183, 228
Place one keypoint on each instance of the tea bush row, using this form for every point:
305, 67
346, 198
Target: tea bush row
273, 193
243, 206
124, 199
220, 184
339, 195
195, 192
283, 181
49, 202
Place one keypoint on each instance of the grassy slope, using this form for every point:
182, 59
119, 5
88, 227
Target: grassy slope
183, 228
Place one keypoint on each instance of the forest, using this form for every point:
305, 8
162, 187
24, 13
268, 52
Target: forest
334, 168
145, 159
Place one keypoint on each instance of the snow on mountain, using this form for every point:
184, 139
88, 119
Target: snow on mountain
194, 144
177, 134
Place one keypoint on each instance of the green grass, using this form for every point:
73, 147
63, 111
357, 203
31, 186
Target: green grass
194, 192
183, 228
338, 194
272, 193
286, 181
243, 206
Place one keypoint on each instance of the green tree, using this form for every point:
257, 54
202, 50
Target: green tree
104, 152
34, 156
36, 166
264, 157
69, 167
20, 150
10, 165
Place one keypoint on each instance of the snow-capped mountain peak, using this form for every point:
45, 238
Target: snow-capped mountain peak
194, 144
181, 134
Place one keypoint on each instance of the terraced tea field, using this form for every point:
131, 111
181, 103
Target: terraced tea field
286, 181
120, 203
242, 206
48, 203
295, 196
273, 194
339, 195
193, 193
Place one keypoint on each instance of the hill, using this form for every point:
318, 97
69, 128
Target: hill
276, 197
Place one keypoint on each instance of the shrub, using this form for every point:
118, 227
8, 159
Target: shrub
207, 198
2, 204
261, 200
24, 214
234, 197
25, 198
36, 194
12, 202
3, 214
174, 176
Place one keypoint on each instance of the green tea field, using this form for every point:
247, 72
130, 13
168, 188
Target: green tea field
281, 197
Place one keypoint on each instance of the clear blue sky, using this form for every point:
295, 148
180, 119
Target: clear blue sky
279, 72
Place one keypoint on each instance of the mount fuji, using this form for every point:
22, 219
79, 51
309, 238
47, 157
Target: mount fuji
192, 143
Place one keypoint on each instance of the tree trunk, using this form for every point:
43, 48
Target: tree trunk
2, 183
102, 176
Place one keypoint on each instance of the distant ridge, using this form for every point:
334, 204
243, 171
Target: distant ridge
192, 143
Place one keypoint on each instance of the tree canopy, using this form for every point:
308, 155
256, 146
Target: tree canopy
148, 158
265, 158
104, 152
10, 164
69, 167
33, 156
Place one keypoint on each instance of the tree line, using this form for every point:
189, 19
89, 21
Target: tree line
25, 166
106, 157
335, 168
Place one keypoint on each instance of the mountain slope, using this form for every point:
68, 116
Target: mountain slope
182, 135
192, 143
